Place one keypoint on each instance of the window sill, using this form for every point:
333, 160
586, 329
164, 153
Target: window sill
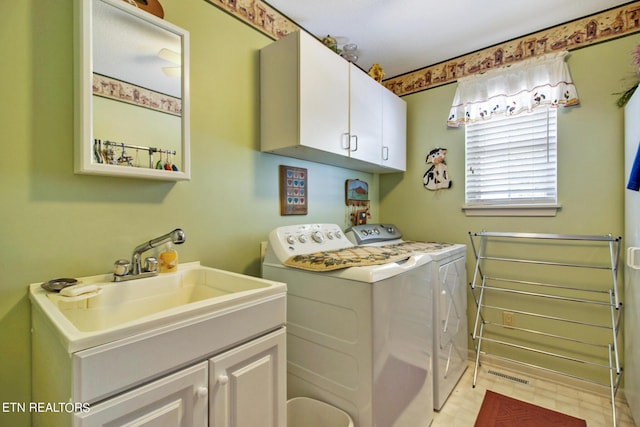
511, 210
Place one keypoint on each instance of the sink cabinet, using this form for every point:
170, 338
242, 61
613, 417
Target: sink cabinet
317, 106
242, 387
236, 387
218, 362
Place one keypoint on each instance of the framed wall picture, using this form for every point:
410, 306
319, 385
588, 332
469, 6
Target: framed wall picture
356, 194
293, 190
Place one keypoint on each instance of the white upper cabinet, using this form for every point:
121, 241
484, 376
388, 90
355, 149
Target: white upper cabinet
365, 117
322, 101
394, 131
317, 106
304, 99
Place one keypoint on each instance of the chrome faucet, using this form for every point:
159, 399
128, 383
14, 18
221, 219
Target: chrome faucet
125, 271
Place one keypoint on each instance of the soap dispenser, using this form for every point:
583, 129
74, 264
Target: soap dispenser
168, 259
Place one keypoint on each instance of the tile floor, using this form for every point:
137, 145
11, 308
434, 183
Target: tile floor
463, 405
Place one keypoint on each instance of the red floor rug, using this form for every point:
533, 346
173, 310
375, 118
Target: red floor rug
502, 411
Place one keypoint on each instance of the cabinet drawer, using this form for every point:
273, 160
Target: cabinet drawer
112, 368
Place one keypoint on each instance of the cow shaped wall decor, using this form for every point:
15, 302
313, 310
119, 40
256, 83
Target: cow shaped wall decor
437, 176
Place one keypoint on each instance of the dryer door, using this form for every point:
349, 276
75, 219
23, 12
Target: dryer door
451, 323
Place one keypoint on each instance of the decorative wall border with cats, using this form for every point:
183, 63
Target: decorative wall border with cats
108, 87
599, 27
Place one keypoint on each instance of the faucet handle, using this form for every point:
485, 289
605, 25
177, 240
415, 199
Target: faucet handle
150, 264
121, 267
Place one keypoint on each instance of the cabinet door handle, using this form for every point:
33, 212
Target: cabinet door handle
345, 141
631, 257
385, 152
355, 138
202, 392
223, 379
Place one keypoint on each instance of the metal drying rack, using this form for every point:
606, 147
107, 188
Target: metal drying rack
566, 305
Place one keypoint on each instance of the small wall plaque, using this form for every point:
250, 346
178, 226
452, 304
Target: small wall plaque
293, 190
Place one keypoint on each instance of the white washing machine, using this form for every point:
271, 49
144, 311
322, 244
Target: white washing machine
358, 338
450, 338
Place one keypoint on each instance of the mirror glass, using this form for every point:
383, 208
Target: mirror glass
133, 109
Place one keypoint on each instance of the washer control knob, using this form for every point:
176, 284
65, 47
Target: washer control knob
338, 235
376, 231
302, 238
317, 237
290, 240
330, 235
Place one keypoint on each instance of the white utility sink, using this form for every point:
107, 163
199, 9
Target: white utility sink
122, 309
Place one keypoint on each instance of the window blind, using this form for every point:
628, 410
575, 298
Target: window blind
512, 159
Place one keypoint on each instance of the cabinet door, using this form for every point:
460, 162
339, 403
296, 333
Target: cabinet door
179, 399
365, 117
394, 131
323, 98
248, 384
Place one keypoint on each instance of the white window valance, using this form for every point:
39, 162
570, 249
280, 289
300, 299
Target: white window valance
542, 80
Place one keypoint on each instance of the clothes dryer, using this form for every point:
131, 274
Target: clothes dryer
450, 339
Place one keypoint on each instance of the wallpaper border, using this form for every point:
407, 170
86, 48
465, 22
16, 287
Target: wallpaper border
599, 27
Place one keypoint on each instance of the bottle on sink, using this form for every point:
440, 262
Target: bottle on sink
168, 259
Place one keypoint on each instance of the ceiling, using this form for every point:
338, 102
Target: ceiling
405, 35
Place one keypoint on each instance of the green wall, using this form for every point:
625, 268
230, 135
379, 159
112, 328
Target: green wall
590, 167
57, 224
590, 158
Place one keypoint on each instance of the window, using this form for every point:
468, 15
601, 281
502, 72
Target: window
510, 116
511, 161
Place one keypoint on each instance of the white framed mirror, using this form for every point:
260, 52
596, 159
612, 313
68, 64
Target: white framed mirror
132, 101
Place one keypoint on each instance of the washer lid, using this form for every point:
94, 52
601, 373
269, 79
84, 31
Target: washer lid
367, 274
376, 273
